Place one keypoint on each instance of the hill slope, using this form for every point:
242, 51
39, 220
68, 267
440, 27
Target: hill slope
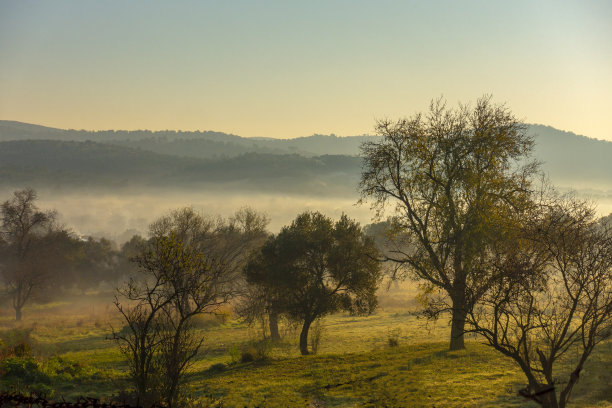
31, 154
41, 163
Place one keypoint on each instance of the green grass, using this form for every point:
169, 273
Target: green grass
354, 367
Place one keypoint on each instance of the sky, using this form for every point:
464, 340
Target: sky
294, 68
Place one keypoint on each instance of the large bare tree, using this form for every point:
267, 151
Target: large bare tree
445, 176
552, 302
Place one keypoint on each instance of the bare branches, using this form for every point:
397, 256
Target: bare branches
553, 298
449, 177
188, 267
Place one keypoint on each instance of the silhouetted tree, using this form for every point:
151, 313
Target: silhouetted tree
315, 267
27, 249
446, 175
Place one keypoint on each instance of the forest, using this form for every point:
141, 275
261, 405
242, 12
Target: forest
478, 282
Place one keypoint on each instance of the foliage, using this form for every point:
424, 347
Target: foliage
316, 267
448, 175
16, 342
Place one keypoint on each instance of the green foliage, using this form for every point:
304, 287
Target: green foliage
257, 350
25, 369
16, 342
449, 176
315, 267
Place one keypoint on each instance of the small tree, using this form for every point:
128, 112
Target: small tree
26, 251
447, 174
316, 267
257, 305
552, 302
188, 267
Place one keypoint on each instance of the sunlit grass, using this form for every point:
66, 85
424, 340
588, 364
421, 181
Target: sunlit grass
355, 365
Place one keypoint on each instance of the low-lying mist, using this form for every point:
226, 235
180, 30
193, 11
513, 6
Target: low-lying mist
119, 216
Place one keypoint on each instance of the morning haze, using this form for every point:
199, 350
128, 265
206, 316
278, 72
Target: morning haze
172, 237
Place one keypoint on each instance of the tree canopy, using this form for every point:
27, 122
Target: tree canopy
447, 177
315, 267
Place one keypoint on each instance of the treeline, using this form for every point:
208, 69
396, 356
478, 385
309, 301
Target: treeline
42, 261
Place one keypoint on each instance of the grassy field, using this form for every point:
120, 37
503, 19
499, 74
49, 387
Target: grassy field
355, 366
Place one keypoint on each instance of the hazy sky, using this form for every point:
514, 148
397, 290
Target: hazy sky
294, 68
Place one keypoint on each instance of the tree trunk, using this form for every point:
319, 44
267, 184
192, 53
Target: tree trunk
549, 400
304, 337
18, 313
458, 322
273, 320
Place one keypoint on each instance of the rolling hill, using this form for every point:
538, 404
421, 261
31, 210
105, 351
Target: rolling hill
37, 155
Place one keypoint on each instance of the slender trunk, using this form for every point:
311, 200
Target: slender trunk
459, 313
18, 313
273, 320
304, 337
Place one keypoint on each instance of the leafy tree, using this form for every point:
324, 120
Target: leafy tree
447, 175
552, 302
315, 267
27, 247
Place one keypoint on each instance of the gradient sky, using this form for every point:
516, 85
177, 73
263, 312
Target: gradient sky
288, 69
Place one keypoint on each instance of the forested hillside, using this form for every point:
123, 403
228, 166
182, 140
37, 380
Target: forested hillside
64, 163
38, 155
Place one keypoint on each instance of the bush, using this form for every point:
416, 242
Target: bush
65, 368
217, 368
206, 321
247, 355
316, 333
253, 351
16, 342
24, 370
393, 336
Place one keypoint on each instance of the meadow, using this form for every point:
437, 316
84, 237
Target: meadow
392, 358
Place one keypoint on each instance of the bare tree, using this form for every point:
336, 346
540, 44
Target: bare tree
188, 268
552, 302
446, 175
26, 251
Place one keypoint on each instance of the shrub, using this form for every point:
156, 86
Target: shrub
217, 368
248, 355
316, 333
393, 336
16, 342
256, 351
25, 370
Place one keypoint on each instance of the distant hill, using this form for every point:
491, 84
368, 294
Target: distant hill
207, 144
48, 163
573, 160
32, 154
